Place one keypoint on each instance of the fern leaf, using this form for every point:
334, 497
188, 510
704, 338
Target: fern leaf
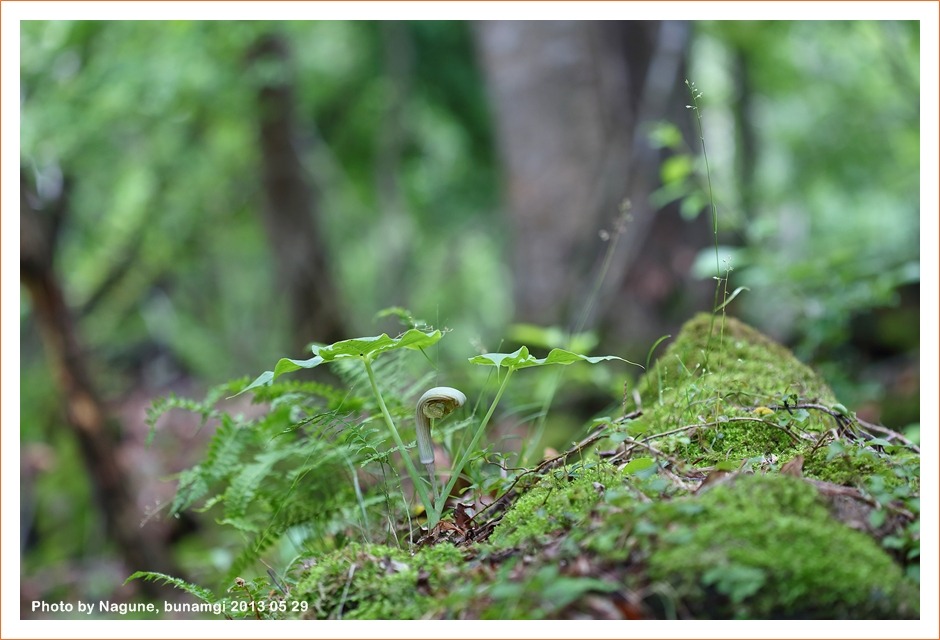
192, 589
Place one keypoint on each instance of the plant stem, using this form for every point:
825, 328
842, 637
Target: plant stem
409, 465
466, 453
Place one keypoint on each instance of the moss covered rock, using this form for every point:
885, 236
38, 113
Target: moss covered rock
767, 547
727, 394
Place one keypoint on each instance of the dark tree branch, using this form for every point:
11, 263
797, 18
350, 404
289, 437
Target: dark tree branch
291, 207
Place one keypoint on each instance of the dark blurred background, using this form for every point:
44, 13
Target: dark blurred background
202, 198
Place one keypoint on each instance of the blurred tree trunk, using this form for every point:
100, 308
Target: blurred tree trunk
570, 100
291, 207
142, 548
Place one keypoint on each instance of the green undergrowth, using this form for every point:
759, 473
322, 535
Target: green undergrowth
761, 545
685, 511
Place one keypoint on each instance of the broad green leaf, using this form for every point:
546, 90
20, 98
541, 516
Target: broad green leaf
510, 360
562, 356
521, 359
637, 429
286, 365
728, 465
360, 347
353, 348
638, 464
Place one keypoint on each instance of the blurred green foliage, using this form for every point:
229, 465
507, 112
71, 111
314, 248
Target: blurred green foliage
813, 137
156, 124
823, 214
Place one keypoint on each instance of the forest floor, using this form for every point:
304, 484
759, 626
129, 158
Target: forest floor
739, 488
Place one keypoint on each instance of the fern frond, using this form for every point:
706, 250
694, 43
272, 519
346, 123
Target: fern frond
192, 589
192, 487
249, 482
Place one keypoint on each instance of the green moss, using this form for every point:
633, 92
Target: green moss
720, 378
375, 582
851, 467
558, 502
765, 546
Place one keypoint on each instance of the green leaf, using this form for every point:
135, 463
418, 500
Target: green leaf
265, 378
562, 356
286, 365
353, 348
877, 518
665, 135
639, 464
551, 337
560, 592
733, 295
509, 360
676, 168
637, 429
736, 581
834, 449
728, 465
521, 359
692, 205
371, 346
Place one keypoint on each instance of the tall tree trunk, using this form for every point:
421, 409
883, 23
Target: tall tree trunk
563, 119
571, 101
142, 548
291, 207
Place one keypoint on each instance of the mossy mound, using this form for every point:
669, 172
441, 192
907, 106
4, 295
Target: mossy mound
767, 547
742, 399
752, 366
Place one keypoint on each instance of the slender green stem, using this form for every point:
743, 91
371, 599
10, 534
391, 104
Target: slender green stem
409, 465
718, 278
469, 450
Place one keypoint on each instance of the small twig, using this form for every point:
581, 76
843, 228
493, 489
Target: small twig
888, 432
822, 440
843, 420
633, 415
495, 463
